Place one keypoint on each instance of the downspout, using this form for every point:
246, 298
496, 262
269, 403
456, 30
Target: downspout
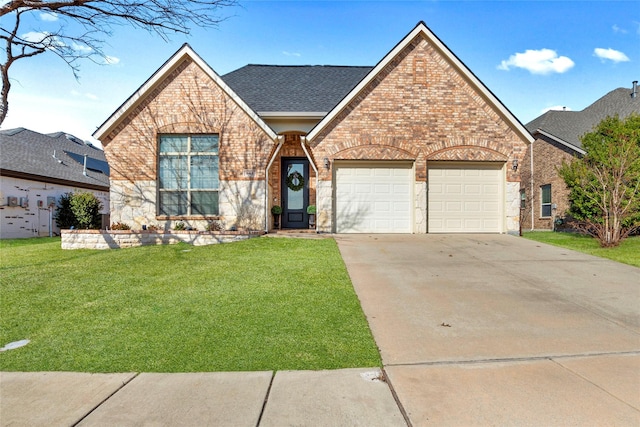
266, 179
532, 186
303, 141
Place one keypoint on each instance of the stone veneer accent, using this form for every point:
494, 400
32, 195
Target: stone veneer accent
513, 207
115, 239
241, 205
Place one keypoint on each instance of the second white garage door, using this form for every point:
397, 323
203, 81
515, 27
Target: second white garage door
465, 198
373, 198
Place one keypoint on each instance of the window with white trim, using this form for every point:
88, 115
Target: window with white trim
188, 180
545, 201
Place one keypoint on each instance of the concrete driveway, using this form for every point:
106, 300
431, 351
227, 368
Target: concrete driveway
498, 330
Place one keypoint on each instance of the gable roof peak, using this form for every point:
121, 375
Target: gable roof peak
422, 29
161, 73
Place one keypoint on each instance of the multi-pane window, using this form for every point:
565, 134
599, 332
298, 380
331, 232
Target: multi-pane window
188, 175
545, 200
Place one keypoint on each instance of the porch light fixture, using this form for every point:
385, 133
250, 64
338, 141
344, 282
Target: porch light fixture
514, 164
326, 163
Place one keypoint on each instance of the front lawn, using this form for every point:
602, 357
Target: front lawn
628, 252
261, 304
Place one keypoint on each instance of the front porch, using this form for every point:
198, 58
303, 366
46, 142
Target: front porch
292, 183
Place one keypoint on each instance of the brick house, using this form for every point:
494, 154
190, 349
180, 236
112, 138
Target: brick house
415, 144
557, 138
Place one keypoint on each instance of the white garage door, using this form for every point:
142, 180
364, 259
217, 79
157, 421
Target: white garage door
374, 198
465, 198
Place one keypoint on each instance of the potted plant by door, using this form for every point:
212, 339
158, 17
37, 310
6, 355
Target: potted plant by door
276, 211
311, 210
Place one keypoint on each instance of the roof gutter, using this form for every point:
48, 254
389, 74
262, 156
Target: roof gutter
292, 114
561, 141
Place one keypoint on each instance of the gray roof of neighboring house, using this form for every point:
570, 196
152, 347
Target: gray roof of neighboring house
282, 88
28, 154
570, 126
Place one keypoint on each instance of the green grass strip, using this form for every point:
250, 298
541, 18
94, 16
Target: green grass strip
261, 304
628, 252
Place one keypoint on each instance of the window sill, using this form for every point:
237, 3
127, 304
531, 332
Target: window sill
187, 217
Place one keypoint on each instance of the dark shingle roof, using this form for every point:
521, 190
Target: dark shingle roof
281, 88
570, 126
25, 152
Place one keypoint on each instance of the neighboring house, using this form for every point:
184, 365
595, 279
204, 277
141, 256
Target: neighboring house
557, 139
415, 144
36, 169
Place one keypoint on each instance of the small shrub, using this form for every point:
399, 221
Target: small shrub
311, 209
86, 210
64, 215
120, 226
153, 227
214, 226
276, 210
180, 226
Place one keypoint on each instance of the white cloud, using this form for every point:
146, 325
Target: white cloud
81, 48
617, 29
285, 53
111, 60
543, 61
36, 36
84, 95
611, 54
49, 16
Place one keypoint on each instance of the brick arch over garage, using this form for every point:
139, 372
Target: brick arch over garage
468, 153
373, 152
365, 148
501, 147
363, 141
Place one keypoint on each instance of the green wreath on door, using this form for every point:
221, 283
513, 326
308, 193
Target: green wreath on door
295, 181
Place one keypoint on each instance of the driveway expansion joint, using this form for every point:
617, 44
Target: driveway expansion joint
515, 359
404, 413
604, 390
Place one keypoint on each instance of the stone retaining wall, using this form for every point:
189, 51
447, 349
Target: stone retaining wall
113, 239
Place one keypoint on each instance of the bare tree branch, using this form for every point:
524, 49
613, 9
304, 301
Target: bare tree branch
89, 23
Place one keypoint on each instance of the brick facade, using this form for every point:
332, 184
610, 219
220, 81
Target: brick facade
548, 155
406, 116
187, 101
420, 108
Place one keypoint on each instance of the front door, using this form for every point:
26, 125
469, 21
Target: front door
295, 192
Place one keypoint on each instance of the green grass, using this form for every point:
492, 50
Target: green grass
628, 252
261, 304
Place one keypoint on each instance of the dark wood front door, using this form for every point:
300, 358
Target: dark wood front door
295, 192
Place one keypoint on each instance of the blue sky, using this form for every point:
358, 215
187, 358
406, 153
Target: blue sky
533, 55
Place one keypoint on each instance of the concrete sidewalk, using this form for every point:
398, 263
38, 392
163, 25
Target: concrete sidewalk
347, 397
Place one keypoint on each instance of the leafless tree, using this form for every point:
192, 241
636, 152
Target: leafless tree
83, 26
